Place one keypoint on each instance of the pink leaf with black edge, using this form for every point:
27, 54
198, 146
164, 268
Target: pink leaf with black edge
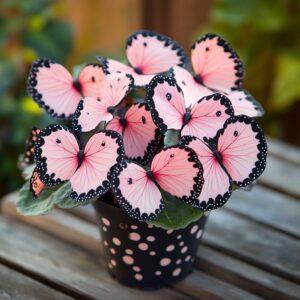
166, 102
91, 111
90, 79
207, 116
236, 155
52, 87
178, 171
111, 66
243, 149
152, 53
36, 185
103, 151
59, 158
29, 146
140, 135
216, 65
192, 90
244, 104
217, 187
148, 53
136, 193
56, 154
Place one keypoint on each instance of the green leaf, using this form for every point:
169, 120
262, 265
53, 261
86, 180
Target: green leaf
29, 206
176, 214
27, 171
171, 138
286, 88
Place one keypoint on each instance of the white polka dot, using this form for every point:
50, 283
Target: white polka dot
136, 269
105, 221
134, 227
199, 233
184, 249
179, 237
194, 229
170, 248
105, 243
129, 251
181, 243
104, 228
178, 261
116, 241
157, 273
134, 236
110, 265
150, 226
112, 250
152, 253
143, 246
113, 262
138, 276
165, 261
128, 260
187, 258
176, 272
169, 231
150, 238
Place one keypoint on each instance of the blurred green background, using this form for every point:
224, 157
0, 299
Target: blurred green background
265, 33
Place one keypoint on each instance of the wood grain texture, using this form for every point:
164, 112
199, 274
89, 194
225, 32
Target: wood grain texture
283, 150
282, 176
263, 247
64, 266
15, 286
269, 208
245, 275
235, 272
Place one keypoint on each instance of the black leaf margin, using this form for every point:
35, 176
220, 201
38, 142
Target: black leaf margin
211, 203
135, 213
233, 55
48, 179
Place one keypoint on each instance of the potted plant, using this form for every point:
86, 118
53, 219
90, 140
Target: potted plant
152, 145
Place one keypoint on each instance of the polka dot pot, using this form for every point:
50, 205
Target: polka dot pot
142, 255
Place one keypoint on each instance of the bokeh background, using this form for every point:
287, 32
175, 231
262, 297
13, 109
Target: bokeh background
265, 33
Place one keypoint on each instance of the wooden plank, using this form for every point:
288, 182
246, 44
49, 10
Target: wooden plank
268, 207
282, 176
283, 150
212, 288
16, 286
249, 241
240, 274
64, 266
245, 275
253, 243
53, 223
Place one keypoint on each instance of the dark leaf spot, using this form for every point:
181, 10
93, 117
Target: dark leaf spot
168, 96
218, 113
93, 78
143, 120
58, 141
129, 180
235, 133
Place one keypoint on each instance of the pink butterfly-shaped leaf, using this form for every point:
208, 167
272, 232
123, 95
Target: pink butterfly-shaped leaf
176, 170
170, 111
241, 100
59, 158
91, 111
148, 54
55, 90
140, 135
237, 155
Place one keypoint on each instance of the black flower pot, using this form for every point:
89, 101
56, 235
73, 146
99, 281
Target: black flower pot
142, 255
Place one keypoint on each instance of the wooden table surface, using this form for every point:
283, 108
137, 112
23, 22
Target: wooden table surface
250, 249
